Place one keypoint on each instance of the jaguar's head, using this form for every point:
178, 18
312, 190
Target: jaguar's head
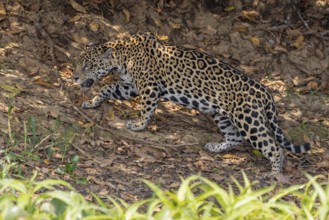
94, 63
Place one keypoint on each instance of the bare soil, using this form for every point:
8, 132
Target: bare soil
284, 46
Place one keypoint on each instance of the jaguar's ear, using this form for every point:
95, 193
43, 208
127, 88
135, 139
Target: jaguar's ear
106, 56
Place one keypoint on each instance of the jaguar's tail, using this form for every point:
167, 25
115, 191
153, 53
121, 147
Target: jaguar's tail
279, 136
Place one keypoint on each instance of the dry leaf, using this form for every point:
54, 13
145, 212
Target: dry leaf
88, 125
324, 85
175, 184
250, 15
299, 43
229, 8
103, 192
145, 157
205, 156
12, 91
283, 179
58, 156
321, 3
108, 161
241, 28
127, 14
300, 82
249, 70
94, 26
200, 165
319, 53
174, 25
163, 37
2, 11
279, 49
110, 115
8, 88
75, 18
268, 48
217, 177
306, 138
322, 164
228, 156
313, 85
294, 33
54, 112
78, 7
255, 41
41, 82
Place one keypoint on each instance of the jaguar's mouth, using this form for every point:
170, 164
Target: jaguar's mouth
87, 83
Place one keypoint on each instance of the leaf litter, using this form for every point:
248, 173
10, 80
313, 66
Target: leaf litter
40, 42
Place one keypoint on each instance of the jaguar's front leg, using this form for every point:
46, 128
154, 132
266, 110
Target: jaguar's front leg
149, 100
118, 90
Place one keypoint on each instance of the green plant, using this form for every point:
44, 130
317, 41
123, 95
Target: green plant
196, 198
72, 165
32, 127
10, 134
22, 147
315, 199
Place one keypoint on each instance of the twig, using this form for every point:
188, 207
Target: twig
62, 50
117, 133
86, 154
301, 18
43, 140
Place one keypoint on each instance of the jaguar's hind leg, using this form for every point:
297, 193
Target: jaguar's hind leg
252, 127
231, 133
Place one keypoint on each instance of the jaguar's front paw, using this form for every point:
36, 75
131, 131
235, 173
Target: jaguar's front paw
135, 125
88, 104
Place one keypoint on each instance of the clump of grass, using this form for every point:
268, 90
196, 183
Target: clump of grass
22, 146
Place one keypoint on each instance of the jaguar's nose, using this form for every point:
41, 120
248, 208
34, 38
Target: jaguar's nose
75, 78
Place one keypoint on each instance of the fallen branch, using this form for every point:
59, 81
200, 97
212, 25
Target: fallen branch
118, 133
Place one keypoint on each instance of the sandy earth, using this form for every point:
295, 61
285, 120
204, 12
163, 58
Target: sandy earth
283, 46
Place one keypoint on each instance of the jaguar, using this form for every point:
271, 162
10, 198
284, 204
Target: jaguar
242, 108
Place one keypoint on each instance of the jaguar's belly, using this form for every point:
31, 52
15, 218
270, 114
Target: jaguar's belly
190, 102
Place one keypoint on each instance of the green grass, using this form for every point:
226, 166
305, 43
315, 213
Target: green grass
196, 198
34, 142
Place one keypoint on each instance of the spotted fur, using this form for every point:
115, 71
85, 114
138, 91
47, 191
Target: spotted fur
241, 107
